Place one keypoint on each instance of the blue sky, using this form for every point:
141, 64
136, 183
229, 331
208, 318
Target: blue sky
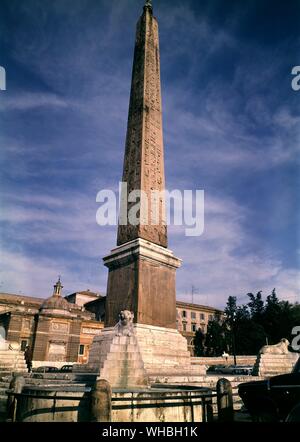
231, 127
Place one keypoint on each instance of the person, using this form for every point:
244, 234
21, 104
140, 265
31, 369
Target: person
28, 358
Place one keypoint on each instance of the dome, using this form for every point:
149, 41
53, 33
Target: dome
55, 302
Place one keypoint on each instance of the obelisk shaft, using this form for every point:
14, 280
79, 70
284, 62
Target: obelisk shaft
144, 154
142, 269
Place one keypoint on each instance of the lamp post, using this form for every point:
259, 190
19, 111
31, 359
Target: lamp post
231, 322
233, 337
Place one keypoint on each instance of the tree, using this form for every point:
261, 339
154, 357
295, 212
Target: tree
199, 342
231, 308
216, 338
247, 327
272, 318
256, 307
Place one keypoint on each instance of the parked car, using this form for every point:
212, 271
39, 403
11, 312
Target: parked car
227, 369
45, 369
66, 369
237, 370
273, 400
243, 370
215, 369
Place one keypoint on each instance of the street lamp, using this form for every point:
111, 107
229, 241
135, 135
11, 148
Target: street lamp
232, 322
233, 337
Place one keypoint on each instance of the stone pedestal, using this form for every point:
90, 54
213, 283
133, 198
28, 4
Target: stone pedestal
142, 280
139, 360
274, 364
117, 359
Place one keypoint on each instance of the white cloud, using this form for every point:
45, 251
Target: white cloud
25, 101
219, 265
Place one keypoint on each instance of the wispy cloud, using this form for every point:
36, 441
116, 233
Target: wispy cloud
31, 101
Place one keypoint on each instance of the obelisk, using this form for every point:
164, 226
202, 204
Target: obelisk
141, 269
144, 153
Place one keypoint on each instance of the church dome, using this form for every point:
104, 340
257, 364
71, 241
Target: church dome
56, 302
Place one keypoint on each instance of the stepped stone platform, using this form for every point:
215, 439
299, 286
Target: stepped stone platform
269, 365
11, 359
151, 354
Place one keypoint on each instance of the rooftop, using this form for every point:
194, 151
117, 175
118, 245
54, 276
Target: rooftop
197, 306
85, 293
9, 297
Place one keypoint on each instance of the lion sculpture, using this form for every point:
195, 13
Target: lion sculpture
125, 325
278, 349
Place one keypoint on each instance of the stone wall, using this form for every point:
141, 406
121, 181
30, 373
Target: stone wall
241, 360
273, 364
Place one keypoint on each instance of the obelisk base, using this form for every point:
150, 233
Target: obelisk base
147, 356
141, 279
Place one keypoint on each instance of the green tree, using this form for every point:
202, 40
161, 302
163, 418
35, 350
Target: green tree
272, 318
199, 340
247, 335
231, 309
256, 307
216, 338
248, 327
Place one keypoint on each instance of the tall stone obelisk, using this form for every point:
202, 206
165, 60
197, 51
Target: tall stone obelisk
144, 154
142, 269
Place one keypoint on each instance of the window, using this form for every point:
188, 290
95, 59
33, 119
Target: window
210, 317
202, 316
194, 328
184, 315
81, 350
193, 315
184, 327
23, 344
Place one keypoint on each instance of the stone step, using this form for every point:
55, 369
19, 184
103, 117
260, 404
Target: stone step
123, 348
121, 369
118, 372
124, 340
12, 364
11, 353
169, 353
12, 369
123, 360
121, 356
10, 359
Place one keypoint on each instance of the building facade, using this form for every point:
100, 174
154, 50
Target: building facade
54, 329
192, 317
61, 329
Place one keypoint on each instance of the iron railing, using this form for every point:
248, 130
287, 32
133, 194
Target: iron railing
189, 398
